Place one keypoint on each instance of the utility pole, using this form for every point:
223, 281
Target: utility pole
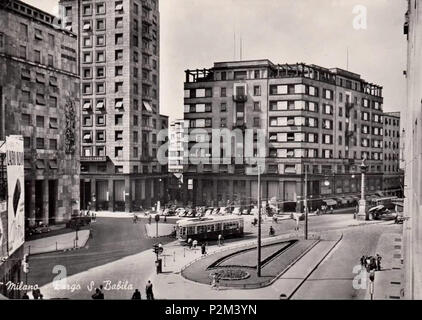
259, 222
305, 202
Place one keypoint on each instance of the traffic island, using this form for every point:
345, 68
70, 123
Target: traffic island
237, 267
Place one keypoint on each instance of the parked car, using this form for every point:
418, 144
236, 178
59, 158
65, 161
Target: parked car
216, 211
182, 213
246, 211
208, 212
237, 211
224, 210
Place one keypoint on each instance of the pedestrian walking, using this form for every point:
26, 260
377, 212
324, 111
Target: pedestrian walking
190, 243
362, 261
331, 210
25, 296
378, 259
203, 249
195, 243
136, 295
135, 218
96, 295
148, 291
220, 239
215, 282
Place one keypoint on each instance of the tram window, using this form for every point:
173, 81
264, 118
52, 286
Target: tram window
191, 230
210, 228
218, 227
202, 229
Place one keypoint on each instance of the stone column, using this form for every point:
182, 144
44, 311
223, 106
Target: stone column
31, 204
45, 201
110, 195
231, 190
128, 195
214, 192
199, 199
93, 195
248, 192
281, 194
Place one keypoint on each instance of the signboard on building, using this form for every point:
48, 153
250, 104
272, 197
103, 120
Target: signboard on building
16, 192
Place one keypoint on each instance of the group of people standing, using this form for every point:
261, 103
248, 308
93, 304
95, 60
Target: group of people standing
371, 262
194, 243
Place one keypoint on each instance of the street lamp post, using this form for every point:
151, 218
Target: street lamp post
362, 203
259, 223
305, 202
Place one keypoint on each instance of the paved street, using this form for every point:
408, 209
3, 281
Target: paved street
113, 239
333, 279
121, 251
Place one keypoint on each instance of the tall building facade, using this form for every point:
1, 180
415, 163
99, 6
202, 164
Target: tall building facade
176, 146
119, 50
393, 175
39, 88
412, 119
317, 121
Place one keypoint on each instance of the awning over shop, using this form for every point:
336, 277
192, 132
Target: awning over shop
330, 202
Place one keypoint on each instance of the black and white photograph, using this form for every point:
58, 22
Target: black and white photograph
210, 150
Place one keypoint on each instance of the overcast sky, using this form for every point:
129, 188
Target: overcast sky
197, 33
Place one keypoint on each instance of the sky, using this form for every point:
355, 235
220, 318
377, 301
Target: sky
197, 33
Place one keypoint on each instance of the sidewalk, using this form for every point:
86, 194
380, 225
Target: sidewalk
388, 282
57, 243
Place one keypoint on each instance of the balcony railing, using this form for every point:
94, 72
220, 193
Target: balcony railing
240, 98
93, 159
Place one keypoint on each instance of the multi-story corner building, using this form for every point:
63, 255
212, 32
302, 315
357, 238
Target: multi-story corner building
39, 101
318, 121
412, 119
120, 111
39, 92
176, 146
393, 175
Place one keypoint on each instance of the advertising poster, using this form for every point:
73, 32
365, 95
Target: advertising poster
15, 188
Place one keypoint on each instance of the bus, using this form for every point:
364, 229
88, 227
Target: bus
209, 228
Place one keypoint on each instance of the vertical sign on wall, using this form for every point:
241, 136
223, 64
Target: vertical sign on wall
15, 188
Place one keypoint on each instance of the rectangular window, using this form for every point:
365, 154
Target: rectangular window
100, 136
53, 144
119, 39
256, 90
53, 102
22, 52
23, 31
50, 60
100, 120
37, 56
118, 152
26, 119
101, 8
40, 143
118, 55
51, 40
100, 40
223, 92
100, 24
